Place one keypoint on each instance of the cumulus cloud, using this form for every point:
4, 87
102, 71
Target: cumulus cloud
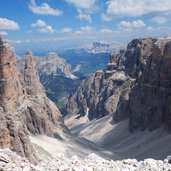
6, 24
133, 24
44, 9
66, 30
84, 4
84, 8
159, 20
3, 33
130, 8
42, 27
39, 23
87, 29
83, 16
106, 30
47, 29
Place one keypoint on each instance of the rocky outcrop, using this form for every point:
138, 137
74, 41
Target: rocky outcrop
52, 64
101, 93
10, 87
11, 161
24, 107
14, 133
31, 79
107, 91
55, 76
150, 98
136, 85
41, 115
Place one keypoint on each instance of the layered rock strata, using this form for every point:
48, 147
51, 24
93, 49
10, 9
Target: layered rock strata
136, 85
24, 107
150, 98
101, 93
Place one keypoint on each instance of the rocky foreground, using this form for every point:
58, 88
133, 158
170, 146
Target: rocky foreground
11, 161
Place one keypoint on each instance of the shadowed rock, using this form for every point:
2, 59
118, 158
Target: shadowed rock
136, 85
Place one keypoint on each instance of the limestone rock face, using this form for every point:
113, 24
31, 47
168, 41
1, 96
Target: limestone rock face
136, 85
150, 98
24, 107
52, 64
31, 79
10, 87
4, 132
14, 133
101, 93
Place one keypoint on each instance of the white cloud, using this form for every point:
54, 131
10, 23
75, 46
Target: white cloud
77, 32
39, 23
87, 29
6, 24
159, 20
84, 16
133, 24
150, 28
42, 27
3, 33
106, 30
66, 30
105, 17
44, 9
47, 29
120, 8
84, 4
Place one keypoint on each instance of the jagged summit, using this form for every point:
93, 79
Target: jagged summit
31, 79
52, 64
136, 85
24, 107
10, 87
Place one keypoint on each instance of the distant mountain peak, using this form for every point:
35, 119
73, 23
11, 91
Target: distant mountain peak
53, 64
101, 47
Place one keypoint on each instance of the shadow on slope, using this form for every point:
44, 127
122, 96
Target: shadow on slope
117, 138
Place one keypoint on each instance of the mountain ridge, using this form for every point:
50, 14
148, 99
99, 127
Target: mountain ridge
100, 94
24, 107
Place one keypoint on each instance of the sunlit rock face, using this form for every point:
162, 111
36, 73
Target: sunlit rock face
10, 87
24, 107
31, 79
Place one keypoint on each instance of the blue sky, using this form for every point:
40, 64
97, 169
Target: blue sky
53, 24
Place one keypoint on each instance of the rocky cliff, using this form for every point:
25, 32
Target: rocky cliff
55, 75
136, 85
52, 64
150, 102
101, 93
24, 107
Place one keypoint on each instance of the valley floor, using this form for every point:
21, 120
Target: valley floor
69, 146
97, 145
106, 139
116, 138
